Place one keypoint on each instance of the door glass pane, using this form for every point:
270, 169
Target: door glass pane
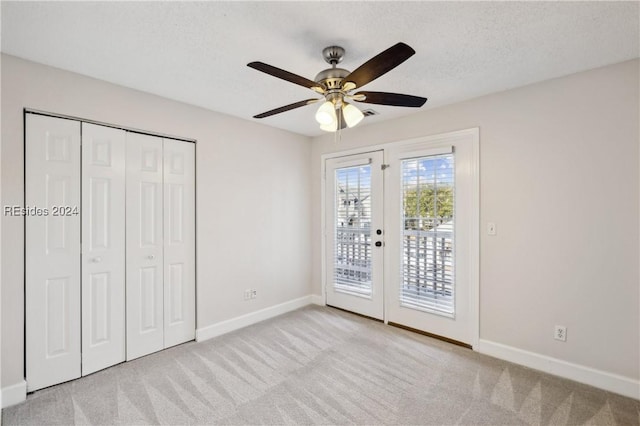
352, 254
428, 274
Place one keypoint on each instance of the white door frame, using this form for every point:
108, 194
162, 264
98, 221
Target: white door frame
474, 237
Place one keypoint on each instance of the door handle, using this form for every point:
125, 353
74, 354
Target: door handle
96, 260
378, 243
151, 257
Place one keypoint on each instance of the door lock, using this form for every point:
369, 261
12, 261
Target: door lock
378, 243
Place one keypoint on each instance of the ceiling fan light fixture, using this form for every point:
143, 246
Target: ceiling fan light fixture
352, 115
326, 114
331, 127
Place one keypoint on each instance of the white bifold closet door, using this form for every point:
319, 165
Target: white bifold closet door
179, 242
52, 259
160, 243
110, 247
145, 328
103, 247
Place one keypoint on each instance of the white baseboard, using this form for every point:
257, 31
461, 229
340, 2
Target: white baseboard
316, 299
601, 379
14, 394
232, 324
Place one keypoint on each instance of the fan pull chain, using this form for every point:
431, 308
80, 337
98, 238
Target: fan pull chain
337, 135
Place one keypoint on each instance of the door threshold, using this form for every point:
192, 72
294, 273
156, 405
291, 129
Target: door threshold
404, 327
355, 313
435, 336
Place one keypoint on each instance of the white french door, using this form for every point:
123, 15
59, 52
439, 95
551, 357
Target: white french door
103, 250
429, 242
431, 238
353, 225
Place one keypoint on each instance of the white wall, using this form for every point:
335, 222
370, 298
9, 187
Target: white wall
253, 199
559, 176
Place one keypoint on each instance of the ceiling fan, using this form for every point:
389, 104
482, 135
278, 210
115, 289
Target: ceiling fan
337, 84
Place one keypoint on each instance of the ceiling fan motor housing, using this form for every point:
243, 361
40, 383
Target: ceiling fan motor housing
331, 78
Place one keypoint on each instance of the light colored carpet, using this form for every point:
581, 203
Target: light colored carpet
319, 365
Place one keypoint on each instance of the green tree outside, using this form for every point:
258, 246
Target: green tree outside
428, 207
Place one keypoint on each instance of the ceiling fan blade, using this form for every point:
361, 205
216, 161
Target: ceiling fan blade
286, 108
286, 75
380, 64
393, 99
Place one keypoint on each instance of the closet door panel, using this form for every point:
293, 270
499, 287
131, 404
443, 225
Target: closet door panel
103, 251
52, 256
179, 242
144, 242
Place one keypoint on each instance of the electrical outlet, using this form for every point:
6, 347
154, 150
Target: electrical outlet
247, 294
560, 333
254, 293
491, 228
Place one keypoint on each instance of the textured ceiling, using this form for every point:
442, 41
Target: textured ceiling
196, 52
